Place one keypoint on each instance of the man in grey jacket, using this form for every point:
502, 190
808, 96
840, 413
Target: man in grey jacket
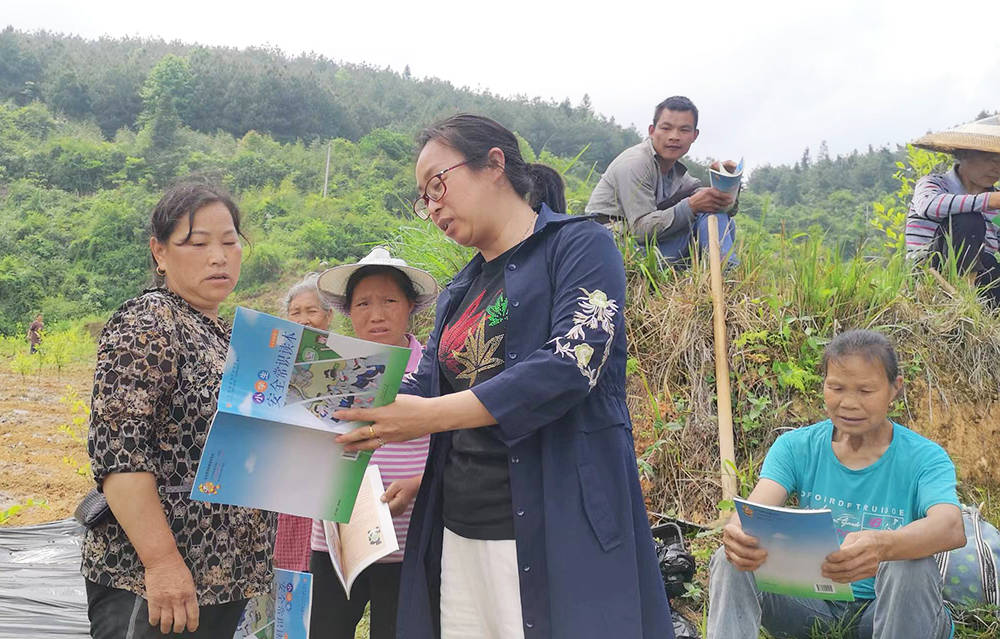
650, 192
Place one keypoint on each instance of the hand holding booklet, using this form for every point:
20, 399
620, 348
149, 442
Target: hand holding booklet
725, 180
272, 441
797, 542
369, 535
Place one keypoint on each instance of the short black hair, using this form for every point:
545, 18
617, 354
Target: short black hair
676, 103
184, 199
868, 344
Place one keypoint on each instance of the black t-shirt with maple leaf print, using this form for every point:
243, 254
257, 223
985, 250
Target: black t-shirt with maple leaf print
477, 502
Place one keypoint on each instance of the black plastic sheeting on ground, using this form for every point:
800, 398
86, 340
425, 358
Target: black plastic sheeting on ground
41, 591
42, 594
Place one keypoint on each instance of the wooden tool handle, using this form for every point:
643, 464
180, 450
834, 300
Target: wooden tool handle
727, 453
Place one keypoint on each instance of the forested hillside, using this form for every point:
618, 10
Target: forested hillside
92, 131
74, 207
822, 194
309, 97
834, 196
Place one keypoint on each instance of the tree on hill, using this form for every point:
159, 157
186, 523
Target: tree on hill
306, 97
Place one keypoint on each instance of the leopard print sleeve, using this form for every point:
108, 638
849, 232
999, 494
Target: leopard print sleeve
136, 370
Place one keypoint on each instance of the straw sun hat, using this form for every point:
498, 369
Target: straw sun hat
981, 135
333, 282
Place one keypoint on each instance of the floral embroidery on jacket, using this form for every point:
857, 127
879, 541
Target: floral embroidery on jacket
596, 312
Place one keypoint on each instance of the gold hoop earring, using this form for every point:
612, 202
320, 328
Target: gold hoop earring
162, 272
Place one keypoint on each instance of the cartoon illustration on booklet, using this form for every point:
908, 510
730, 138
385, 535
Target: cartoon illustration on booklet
283, 613
271, 444
367, 538
327, 386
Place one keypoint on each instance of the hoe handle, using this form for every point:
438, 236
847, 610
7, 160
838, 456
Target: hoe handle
727, 454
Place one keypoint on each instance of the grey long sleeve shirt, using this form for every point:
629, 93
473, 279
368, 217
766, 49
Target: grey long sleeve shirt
633, 186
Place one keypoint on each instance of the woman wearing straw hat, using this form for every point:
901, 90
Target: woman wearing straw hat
951, 212
530, 520
379, 294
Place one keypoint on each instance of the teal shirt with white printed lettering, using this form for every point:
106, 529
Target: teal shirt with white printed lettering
912, 475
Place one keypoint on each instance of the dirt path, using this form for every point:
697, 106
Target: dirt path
38, 461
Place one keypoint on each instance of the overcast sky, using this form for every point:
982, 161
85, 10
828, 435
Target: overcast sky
770, 78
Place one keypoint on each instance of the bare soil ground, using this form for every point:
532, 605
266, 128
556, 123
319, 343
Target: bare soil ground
37, 460
969, 432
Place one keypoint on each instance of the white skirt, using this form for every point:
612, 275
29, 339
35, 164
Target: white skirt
480, 591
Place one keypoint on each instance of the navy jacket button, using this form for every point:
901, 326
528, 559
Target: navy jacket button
515, 460
527, 569
512, 267
520, 513
515, 303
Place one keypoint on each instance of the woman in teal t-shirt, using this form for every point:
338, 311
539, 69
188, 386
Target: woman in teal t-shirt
892, 495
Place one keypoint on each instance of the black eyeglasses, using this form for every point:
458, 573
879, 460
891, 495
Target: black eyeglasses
434, 189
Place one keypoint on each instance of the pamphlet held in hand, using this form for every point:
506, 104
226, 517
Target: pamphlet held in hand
726, 181
369, 535
272, 444
797, 542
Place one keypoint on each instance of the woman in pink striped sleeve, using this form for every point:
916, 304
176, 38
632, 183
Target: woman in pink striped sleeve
379, 294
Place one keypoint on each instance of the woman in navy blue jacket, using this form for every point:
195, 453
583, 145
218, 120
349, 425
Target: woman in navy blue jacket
530, 519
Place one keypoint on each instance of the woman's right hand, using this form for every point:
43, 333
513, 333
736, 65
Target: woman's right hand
742, 550
173, 601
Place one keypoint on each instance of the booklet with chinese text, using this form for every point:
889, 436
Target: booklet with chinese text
797, 542
367, 538
292, 604
283, 613
271, 444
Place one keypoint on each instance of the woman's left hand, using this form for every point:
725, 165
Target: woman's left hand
406, 418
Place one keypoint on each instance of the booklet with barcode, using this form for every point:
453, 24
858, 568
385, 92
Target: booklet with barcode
797, 542
272, 443
369, 535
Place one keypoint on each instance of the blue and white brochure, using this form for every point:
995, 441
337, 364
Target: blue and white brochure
272, 441
797, 542
292, 604
725, 180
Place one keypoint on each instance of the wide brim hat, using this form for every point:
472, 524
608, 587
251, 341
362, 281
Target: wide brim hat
332, 282
981, 135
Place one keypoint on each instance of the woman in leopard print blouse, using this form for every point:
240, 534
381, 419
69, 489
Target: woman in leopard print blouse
164, 562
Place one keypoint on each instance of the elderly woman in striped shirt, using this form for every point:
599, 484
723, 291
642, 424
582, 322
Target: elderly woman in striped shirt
379, 294
951, 212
